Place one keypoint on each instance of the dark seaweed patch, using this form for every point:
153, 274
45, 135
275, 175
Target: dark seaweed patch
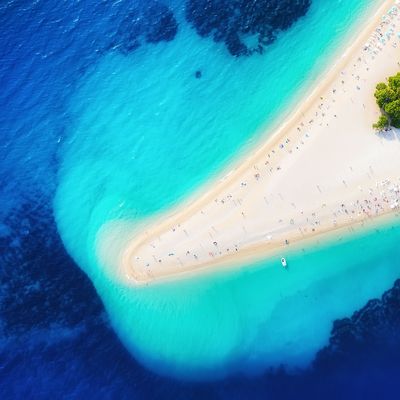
232, 21
152, 24
372, 331
40, 284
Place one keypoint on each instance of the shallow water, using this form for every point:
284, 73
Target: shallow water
254, 317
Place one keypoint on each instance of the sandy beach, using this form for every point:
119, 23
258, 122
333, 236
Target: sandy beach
324, 169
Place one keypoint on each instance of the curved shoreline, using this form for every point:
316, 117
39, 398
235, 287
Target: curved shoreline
189, 208
259, 252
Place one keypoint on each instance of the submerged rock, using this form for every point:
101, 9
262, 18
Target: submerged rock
373, 328
153, 23
41, 286
233, 21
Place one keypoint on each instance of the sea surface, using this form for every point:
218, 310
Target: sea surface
117, 110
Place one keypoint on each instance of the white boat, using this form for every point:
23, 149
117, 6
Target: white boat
283, 262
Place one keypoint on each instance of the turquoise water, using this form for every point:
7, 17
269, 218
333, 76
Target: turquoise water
143, 134
255, 317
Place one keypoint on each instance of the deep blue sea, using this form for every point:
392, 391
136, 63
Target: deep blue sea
115, 110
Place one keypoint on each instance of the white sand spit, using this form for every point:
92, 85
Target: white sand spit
324, 169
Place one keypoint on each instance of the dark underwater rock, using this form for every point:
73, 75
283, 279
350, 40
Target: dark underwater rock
374, 330
152, 23
40, 284
231, 21
161, 25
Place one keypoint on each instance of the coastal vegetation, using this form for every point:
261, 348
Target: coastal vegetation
388, 99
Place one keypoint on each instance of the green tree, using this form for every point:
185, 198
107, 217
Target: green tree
388, 99
383, 123
381, 86
394, 81
384, 95
393, 111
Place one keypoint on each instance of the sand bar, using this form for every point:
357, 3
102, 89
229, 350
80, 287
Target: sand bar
324, 169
